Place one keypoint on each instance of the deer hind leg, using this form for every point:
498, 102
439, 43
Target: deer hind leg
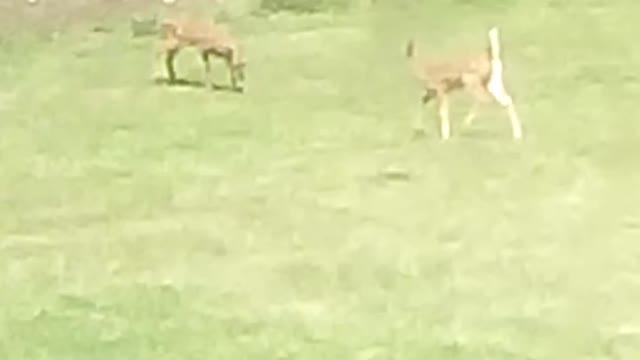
232, 73
480, 96
206, 60
473, 113
497, 89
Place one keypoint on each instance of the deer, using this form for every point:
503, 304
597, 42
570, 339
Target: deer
209, 39
480, 74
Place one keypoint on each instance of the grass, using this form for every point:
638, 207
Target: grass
148, 222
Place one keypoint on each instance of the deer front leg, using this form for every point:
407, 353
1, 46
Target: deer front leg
445, 125
418, 122
233, 79
418, 126
170, 55
232, 75
170, 48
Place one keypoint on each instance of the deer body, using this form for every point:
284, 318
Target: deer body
209, 39
479, 74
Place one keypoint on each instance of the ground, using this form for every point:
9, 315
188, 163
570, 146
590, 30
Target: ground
300, 220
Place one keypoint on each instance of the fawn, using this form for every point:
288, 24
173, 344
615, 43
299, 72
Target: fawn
209, 39
480, 74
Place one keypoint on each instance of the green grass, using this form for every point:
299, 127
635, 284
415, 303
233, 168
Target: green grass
147, 222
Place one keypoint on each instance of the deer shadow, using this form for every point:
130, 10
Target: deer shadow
181, 82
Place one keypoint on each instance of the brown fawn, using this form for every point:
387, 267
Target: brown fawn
209, 39
480, 75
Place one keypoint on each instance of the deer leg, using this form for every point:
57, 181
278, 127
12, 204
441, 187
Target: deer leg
170, 55
497, 89
479, 93
207, 68
445, 125
480, 97
232, 74
473, 112
516, 127
418, 126
234, 79
506, 101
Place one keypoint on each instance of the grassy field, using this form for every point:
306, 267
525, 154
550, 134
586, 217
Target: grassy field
141, 222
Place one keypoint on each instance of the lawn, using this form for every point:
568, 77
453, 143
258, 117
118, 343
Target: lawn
301, 220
